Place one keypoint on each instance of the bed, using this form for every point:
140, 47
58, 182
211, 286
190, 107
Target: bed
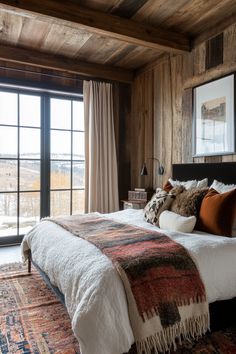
91, 288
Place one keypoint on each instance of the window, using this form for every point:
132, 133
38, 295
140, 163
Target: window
67, 157
42, 159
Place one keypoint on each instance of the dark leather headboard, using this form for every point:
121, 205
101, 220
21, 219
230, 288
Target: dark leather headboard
224, 172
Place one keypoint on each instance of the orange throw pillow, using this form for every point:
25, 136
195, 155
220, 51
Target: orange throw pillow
168, 186
217, 213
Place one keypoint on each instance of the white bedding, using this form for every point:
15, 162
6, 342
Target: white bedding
94, 293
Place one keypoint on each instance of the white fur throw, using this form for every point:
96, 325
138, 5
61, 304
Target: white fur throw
189, 184
221, 187
171, 221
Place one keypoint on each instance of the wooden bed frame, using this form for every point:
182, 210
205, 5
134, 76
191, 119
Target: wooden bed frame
221, 312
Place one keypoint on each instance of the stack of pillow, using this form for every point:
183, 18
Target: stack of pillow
183, 206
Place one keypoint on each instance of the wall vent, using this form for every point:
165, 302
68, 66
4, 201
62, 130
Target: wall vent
214, 51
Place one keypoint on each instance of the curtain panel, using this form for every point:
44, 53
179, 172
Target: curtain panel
101, 179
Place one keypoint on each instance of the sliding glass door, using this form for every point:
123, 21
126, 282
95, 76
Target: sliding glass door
41, 159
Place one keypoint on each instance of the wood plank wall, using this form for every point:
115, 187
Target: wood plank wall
162, 109
141, 128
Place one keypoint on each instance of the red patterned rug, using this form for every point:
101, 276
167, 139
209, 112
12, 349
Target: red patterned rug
33, 320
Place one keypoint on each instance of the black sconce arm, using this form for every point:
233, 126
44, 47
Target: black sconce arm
161, 169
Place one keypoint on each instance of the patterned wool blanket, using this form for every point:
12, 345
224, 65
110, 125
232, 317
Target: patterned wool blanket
165, 294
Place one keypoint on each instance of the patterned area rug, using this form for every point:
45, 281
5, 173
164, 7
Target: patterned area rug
33, 320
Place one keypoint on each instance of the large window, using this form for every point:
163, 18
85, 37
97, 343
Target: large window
41, 159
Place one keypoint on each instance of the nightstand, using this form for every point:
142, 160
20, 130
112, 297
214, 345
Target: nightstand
134, 204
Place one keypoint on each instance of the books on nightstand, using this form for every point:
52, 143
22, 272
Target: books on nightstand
140, 194
139, 189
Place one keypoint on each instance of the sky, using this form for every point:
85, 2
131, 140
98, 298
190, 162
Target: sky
29, 109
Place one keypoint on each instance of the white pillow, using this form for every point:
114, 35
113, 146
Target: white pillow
221, 187
172, 221
190, 184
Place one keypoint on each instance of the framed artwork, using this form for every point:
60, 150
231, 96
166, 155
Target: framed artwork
214, 118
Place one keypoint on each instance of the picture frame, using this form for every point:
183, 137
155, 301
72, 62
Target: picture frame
214, 117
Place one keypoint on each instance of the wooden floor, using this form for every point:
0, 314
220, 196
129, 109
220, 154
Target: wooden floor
10, 254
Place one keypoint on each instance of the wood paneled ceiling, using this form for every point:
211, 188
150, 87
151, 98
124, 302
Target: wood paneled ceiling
116, 36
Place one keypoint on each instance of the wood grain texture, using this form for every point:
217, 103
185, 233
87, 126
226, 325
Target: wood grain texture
172, 105
176, 70
70, 30
128, 8
210, 74
157, 11
137, 57
65, 64
196, 16
230, 46
141, 129
164, 134
122, 113
186, 134
104, 24
213, 31
27, 74
199, 58
10, 27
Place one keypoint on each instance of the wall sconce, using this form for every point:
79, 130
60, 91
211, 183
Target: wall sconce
161, 170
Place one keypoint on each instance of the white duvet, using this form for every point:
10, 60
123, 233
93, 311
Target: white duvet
94, 294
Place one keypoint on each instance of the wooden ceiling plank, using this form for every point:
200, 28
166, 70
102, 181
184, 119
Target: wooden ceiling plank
62, 39
101, 23
128, 8
138, 57
64, 64
97, 49
99, 5
186, 18
154, 12
33, 33
10, 27
120, 53
215, 30
209, 16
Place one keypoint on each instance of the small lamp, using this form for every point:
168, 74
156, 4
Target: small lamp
144, 171
161, 170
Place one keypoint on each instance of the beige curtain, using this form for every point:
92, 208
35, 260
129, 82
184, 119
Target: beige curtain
101, 181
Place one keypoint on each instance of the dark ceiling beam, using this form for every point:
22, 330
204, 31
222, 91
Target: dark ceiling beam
64, 64
101, 23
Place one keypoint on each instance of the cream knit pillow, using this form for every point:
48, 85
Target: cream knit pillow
172, 221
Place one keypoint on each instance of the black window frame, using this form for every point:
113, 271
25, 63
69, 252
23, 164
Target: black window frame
46, 94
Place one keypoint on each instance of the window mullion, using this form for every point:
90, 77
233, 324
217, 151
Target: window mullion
45, 156
18, 164
71, 166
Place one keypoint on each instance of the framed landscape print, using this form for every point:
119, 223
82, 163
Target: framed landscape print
214, 118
